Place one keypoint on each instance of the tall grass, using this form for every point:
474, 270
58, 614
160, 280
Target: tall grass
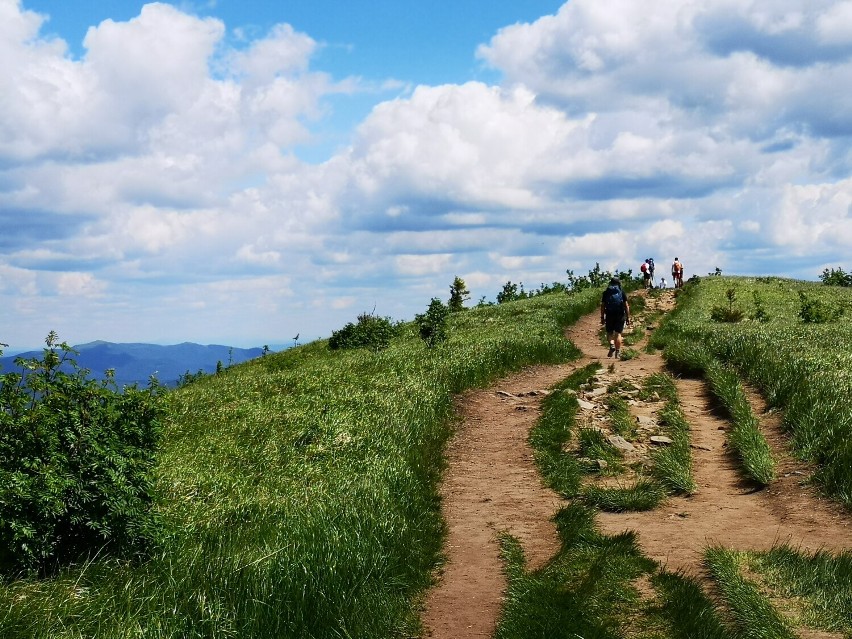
587, 590
672, 463
299, 492
818, 584
753, 614
803, 368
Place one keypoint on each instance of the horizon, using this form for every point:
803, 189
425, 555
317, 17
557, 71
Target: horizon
221, 172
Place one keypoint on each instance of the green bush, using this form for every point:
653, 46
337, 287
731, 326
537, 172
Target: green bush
371, 331
76, 458
433, 323
813, 310
836, 277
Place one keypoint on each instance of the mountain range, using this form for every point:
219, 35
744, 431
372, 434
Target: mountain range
135, 363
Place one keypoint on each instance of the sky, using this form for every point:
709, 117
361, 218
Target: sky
242, 172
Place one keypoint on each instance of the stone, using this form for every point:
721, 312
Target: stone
620, 443
644, 420
596, 392
504, 394
602, 464
585, 405
661, 440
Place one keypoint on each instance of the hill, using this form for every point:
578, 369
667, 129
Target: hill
135, 363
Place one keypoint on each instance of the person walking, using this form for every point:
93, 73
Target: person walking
615, 313
650, 262
677, 273
646, 274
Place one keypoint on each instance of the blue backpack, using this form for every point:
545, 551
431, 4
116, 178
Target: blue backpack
614, 303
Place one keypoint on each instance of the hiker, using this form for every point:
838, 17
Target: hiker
646, 274
615, 313
662, 282
650, 261
677, 273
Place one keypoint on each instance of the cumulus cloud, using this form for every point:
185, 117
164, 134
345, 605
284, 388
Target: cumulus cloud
159, 170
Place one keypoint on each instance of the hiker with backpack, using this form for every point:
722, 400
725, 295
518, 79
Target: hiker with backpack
650, 262
646, 274
615, 313
677, 273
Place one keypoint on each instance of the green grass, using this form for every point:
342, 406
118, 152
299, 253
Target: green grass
587, 590
672, 463
816, 587
552, 432
299, 491
622, 421
643, 494
753, 614
803, 368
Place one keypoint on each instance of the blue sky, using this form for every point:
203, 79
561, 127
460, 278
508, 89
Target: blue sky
239, 172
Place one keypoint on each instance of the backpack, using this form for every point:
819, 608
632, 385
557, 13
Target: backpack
644, 267
614, 303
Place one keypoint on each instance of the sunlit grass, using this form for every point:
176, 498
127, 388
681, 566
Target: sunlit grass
299, 492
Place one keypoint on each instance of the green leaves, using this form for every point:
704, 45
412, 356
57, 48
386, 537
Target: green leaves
75, 462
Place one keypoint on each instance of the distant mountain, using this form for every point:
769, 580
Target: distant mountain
135, 363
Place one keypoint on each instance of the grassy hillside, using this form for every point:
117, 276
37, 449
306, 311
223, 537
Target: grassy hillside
299, 491
794, 343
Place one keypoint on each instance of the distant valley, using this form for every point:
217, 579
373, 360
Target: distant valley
135, 363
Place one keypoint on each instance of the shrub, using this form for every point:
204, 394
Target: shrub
371, 331
511, 292
813, 310
76, 461
433, 323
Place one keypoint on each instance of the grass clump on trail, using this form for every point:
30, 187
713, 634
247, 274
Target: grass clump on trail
298, 491
553, 431
672, 463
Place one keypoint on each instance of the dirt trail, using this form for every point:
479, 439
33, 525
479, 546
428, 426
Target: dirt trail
492, 485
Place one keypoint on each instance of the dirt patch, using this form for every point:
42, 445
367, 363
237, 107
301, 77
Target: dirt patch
492, 485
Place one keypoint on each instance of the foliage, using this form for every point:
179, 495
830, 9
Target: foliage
76, 458
597, 278
458, 295
371, 331
836, 277
760, 313
727, 313
299, 491
511, 292
814, 310
433, 323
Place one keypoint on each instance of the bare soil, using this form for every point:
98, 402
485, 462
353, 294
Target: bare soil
492, 486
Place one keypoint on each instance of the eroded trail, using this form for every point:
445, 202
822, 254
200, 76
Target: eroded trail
492, 485
725, 509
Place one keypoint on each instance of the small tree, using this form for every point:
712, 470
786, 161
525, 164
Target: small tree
76, 463
836, 277
433, 323
511, 292
727, 313
458, 295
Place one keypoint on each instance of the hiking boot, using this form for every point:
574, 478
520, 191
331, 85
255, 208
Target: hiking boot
617, 354
611, 351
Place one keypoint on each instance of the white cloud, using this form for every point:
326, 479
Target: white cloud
159, 171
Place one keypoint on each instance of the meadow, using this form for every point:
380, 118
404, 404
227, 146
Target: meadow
298, 491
